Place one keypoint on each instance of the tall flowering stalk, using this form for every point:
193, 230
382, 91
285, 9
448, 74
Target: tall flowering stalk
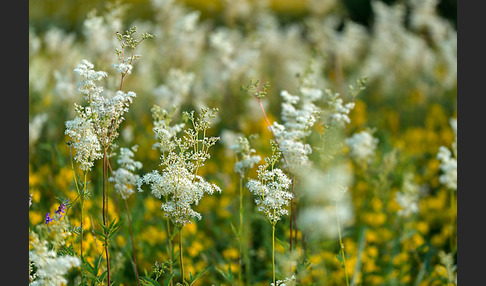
299, 114
96, 125
244, 161
125, 180
271, 194
178, 183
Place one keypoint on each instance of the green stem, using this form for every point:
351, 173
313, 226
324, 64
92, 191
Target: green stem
170, 250
180, 254
105, 205
133, 244
241, 229
341, 246
273, 253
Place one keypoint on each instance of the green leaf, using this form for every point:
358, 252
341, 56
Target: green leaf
147, 281
197, 276
285, 244
168, 279
228, 276
235, 231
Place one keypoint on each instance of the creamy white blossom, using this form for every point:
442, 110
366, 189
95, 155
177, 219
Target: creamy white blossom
362, 146
299, 114
123, 68
85, 142
245, 160
326, 198
178, 184
288, 281
271, 193
448, 161
124, 177
51, 268
408, 196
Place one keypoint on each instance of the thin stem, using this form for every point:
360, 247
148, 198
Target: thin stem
180, 255
170, 250
292, 214
341, 246
133, 244
105, 202
82, 217
273, 252
241, 230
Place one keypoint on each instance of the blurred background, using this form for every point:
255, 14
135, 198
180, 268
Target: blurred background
401, 214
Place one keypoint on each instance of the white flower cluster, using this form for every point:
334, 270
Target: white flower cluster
288, 281
448, 161
271, 192
123, 68
247, 161
299, 114
163, 130
84, 140
96, 125
362, 146
339, 112
124, 176
51, 269
179, 184
408, 197
181, 188
447, 259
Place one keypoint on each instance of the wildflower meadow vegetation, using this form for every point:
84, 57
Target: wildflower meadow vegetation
239, 143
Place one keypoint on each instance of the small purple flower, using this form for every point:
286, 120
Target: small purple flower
61, 209
48, 218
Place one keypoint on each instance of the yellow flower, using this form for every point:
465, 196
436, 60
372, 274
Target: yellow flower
195, 249
190, 228
315, 259
35, 217
376, 204
372, 251
230, 253
422, 227
121, 241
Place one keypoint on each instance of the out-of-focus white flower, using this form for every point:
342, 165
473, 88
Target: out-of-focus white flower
35, 128
51, 269
124, 177
326, 199
408, 196
288, 281
448, 161
362, 146
176, 89
245, 158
